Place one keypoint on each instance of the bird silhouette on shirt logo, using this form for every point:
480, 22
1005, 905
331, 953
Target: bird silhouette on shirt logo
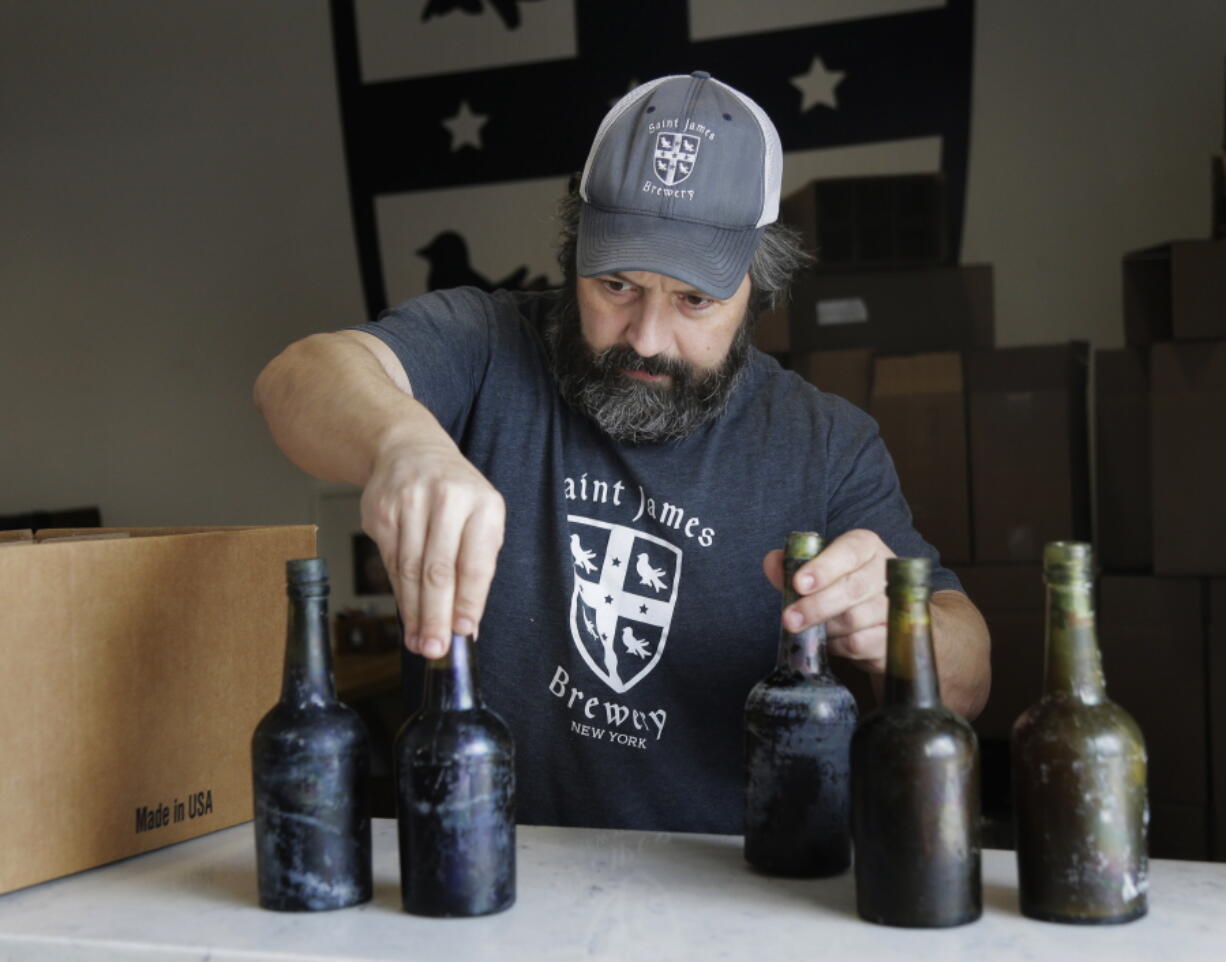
648, 576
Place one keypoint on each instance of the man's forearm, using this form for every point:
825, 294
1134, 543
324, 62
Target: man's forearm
331, 405
962, 647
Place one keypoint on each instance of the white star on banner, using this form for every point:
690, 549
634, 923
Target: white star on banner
817, 86
465, 127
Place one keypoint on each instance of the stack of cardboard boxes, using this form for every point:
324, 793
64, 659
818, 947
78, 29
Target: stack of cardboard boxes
1161, 454
992, 447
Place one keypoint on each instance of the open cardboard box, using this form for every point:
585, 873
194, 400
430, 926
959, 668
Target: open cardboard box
136, 664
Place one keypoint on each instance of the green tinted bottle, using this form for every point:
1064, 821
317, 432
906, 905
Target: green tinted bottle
1079, 767
915, 780
798, 726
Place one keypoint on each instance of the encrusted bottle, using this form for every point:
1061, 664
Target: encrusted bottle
798, 726
310, 766
915, 780
455, 783
1079, 770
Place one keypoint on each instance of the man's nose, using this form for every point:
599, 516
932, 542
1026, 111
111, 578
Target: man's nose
648, 331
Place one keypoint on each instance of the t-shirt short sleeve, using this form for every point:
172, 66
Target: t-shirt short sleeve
865, 492
445, 340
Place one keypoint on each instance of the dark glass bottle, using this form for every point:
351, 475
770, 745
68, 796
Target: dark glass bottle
1079, 783
455, 795
915, 780
310, 766
798, 725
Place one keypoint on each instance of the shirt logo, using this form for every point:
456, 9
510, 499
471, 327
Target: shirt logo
623, 600
674, 156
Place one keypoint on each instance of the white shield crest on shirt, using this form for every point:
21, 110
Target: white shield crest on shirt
623, 600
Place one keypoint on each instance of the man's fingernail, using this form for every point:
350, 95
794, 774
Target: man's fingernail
804, 582
411, 640
433, 648
464, 626
793, 619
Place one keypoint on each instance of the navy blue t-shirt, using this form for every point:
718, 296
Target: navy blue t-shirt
629, 615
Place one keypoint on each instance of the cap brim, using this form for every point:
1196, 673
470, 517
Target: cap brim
714, 260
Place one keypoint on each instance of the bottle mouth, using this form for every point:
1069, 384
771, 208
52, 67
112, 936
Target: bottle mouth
1068, 561
803, 545
306, 572
907, 573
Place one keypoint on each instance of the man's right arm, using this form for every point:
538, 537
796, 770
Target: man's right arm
340, 406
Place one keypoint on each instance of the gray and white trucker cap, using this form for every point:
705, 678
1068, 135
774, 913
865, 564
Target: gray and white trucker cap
681, 178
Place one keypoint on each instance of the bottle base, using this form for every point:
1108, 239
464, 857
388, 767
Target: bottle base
796, 871
1042, 916
445, 912
310, 905
912, 923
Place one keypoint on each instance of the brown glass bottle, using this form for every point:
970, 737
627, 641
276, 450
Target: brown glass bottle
310, 764
915, 780
1079, 770
798, 726
455, 795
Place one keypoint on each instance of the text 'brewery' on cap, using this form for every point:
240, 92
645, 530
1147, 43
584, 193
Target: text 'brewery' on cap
682, 176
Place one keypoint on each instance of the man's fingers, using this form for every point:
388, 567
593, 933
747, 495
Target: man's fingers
479, 546
438, 577
848, 553
866, 646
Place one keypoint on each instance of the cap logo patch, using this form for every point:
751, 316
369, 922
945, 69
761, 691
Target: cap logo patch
674, 156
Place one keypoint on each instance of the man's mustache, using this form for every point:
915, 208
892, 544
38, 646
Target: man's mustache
622, 358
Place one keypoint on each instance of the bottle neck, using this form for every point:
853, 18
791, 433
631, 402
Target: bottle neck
803, 651
910, 670
308, 655
452, 682
1073, 666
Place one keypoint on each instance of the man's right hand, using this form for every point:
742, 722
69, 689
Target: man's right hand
438, 524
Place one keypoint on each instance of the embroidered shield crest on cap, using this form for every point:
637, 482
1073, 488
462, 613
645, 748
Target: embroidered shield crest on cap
675, 155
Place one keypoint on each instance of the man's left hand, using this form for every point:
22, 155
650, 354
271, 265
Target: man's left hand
844, 587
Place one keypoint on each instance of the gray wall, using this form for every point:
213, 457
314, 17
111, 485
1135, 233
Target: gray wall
174, 210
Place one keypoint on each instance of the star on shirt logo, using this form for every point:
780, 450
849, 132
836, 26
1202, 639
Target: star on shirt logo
465, 127
818, 85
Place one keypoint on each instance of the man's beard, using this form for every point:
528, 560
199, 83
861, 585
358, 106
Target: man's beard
630, 410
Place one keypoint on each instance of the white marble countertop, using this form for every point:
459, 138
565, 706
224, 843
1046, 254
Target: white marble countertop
582, 894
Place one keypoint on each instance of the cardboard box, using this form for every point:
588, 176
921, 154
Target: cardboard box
1028, 449
137, 663
845, 373
1188, 457
1124, 513
1012, 600
1151, 632
910, 311
920, 406
1217, 714
1175, 291
897, 220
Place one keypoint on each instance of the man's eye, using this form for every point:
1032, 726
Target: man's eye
616, 287
697, 300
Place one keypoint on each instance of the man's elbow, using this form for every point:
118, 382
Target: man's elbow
270, 383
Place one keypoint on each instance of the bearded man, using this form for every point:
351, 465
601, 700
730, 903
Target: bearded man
598, 476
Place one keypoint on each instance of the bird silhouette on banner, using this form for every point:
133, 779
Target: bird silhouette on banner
450, 267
